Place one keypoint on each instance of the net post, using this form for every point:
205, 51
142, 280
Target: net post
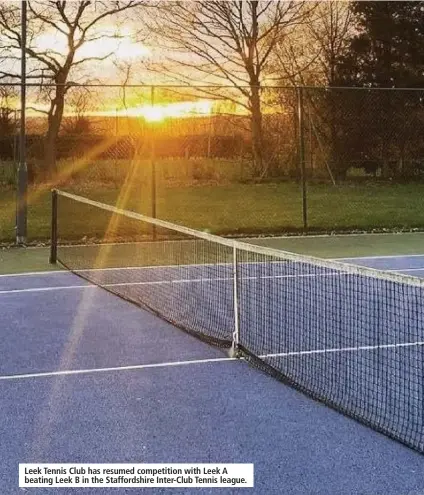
53, 243
300, 116
236, 334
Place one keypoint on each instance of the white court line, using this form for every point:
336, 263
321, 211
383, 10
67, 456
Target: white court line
166, 282
388, 256
50, 374
186, 281
330, 236
64, 271
154, 267
89, 270
147, 267
343, 349
406, 270
117, 368
31, 274
48, 289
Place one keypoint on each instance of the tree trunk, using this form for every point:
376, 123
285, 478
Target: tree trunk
50, 153
257, 132
54, 123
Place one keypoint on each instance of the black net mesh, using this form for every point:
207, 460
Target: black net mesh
169, 272
348, 336
349, 339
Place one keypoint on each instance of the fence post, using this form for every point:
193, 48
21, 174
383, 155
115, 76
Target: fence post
153, 162
115, 151
22, 175
300, 117
53, 239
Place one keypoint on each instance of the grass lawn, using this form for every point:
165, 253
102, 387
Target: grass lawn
24, 260
243, 208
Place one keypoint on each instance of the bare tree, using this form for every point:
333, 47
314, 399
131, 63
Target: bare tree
231, 43
7, 110
75, 24
310, 54
331, 33
80, 103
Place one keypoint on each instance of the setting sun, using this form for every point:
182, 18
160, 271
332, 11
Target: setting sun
157, 113
151, 113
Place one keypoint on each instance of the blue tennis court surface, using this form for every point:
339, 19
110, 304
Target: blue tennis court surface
136, 389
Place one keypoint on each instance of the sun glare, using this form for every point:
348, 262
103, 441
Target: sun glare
122, 45
157, 113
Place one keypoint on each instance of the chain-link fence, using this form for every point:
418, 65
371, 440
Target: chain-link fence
377, 131
274, 159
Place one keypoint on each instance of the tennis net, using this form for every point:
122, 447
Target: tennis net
349, 336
